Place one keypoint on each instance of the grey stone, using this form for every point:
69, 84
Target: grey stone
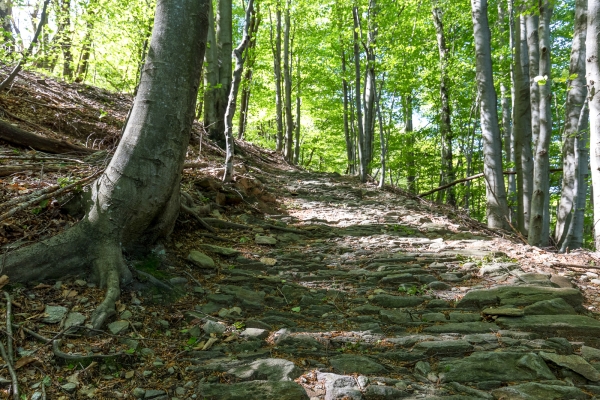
572, 326
395, 317
437, 285
222, 251
69, 387
550, 307
178, 281
574, 363
340, 387
444, 347
349, 363
270, 369
533, 391
153, 394
118, 327
267, 240
503, 311
561, 281
264, 390
464, 317
388, 301
200, 259
74, 319
255, 323
422, 368
504, 366
244, 295
139, 392
54, 314
298, 341
398, 278
380, 392
36, 396
518, 296
464, 328
213, 327
590, 353
498, 269
255, 333
126, 315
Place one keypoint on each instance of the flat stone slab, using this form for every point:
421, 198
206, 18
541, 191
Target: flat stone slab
388, 301
444, 347
496, 366
550, 307
200, 259
503, 311
574, 363
518, 296
349, 363
270, 369
533, 390
54, 314
463, 328
264, 390
267, 240
223, 251
570, 326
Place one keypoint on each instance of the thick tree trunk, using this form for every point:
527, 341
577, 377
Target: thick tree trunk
224, 50
506, 97
445, 123
496, 207
533, 45
5, 24
572, 135
363, 165
592, 56
539, 227
370, 86
235, 85
287, 78
522, 126
211, 77
276, 48
136, 200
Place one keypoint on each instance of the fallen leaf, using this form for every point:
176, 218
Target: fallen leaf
268, 261
24, 361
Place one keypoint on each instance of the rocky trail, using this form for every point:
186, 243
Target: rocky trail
290, 285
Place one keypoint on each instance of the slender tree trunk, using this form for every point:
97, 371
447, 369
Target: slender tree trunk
539, 230
224, 50
496, 207
370, 88
86, 48
411, 170
533, 45
445, 112
276, 48
247, 80
592, 56
136, 199
382, 144
574, 106
5, 24
506, 98
363, 165
347, 133
287, 77
211, 77
235, 85
66, 41
298, 106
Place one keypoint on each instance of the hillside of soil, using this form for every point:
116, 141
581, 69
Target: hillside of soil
284, 284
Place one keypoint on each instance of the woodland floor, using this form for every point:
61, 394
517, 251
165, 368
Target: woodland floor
312, 285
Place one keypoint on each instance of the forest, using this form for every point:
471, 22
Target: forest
395, 91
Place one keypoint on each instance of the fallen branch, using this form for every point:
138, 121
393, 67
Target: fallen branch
470, 178
561, 265
9, 333
11, 370
290, 230
219, 223
18, 136
7, 170
81, 358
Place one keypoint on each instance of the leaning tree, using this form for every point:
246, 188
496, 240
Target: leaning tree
136, 200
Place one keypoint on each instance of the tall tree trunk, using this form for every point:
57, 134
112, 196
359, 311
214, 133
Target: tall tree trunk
235, 85
224, 50
211, 77
66, 40
382, 143
445, 123
533, 45
522, 125
411, 178
539, 230
6, 25
592, 56
347, 133
506, 97
136, 199
363, 165
496, 207
86, 48
298, 106
572, 134
276, 48
247, 80
370, 89
287, 78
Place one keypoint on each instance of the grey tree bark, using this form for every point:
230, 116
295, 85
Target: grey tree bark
276, 48
359, 114
533, 45
496, 207
287, 78
224, 50
370, 85
347, 133
411, 178
506, 96
247, 80
5, 24
235, 86
522, 125
211, 77
136, 200
592, 55
445, 122
539, 227
572, 133
298, 109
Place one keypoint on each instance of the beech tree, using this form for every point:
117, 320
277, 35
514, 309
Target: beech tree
136, 200
592, 54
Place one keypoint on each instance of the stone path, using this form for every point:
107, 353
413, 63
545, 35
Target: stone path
357, 293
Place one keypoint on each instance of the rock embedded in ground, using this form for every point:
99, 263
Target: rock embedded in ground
118, 327
544, 391
265, 240
270, 369
264, 390
349, 363
74, 319
222, 251
54, 314
574, 363
570, 326
200, 259
518, 296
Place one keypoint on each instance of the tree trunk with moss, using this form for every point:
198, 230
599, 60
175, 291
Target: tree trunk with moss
136, 200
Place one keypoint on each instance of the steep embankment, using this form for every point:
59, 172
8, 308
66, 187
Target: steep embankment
289, 285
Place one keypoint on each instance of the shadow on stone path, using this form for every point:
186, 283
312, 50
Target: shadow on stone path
364, 294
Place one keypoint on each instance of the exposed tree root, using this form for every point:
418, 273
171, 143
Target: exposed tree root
194, 214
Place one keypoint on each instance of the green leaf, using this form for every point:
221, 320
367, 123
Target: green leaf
130, 351
296, 309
